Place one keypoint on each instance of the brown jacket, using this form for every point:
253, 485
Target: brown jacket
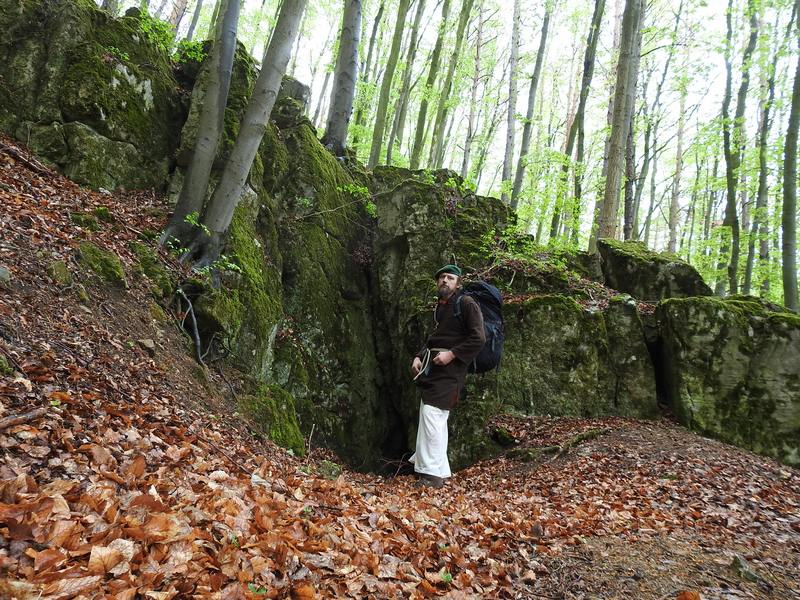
464, 337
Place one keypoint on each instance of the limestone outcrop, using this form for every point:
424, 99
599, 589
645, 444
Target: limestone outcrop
94, 95
633, 268
731, 371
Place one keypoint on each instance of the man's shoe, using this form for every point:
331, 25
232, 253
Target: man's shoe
425, 480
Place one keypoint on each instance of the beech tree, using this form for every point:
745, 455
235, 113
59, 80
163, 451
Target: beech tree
508, 155
789, 216
624, 93
210, 124
433, 73
206, 243
386, 86
344, 79
733, 140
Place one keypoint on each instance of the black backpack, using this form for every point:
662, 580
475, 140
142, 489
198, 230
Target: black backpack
490, 300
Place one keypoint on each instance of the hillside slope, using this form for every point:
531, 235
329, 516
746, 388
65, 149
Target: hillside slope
125, 471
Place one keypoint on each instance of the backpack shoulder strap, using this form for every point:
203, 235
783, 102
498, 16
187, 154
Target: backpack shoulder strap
457, 305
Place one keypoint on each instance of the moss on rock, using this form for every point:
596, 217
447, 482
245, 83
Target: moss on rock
632, 268
104, 263
60, 273
151, 267
272, 410
729, 374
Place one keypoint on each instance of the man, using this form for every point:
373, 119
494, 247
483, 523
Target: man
440, 370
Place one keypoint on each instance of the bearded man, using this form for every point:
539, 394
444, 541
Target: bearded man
440, 370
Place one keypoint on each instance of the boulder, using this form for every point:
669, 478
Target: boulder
92, 94
632, 268
731, 371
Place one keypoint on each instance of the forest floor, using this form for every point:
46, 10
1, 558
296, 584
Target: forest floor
124, 472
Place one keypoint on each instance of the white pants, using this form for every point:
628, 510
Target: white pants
430, 456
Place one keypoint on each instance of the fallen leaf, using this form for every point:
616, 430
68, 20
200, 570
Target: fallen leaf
103, 559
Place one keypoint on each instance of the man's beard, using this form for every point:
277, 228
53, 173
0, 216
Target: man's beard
443, 292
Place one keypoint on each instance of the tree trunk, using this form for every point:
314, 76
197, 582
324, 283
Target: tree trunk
733, 141
437, 139
229, 190
624, 95
175, 15
344, 79
111, 6
476, 77
674, 205
511, 117
405, 89
198, 7
580, 116
210, 124
361, 100
433, 73
789, 217
630, 178
318, 112
386, 86
526, 130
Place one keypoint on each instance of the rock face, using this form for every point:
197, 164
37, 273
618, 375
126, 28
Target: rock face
91, 94
632, 268
732, 372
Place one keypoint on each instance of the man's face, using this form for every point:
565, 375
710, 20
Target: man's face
446, 285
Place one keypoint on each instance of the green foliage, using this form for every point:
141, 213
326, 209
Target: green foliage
360, 193
114, 52
189, 51
158, 32
194, 219
257, 589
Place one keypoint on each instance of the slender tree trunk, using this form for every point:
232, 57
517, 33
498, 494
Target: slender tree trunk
175, 15
642, 176
433, 73
318, 111
405, 90
198, 7
364, 76
217, 217
630, 178
437, 139
624, 95
733, 141
486, 143
344, 79
473, 97
789, 217
652, 206
210, 124
674, 205
160, 9
580, 117
296, 50
526, 130
511, 117
386, 86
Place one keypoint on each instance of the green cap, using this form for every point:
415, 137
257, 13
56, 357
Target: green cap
448, 269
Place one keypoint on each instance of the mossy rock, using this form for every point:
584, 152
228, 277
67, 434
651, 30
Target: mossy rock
85, 220
92, 94
103, 263
5, 367
633, 268
150, 265
60, 273
732, 371
272, 410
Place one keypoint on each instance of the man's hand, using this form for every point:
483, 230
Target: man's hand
416, 365
443, 358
